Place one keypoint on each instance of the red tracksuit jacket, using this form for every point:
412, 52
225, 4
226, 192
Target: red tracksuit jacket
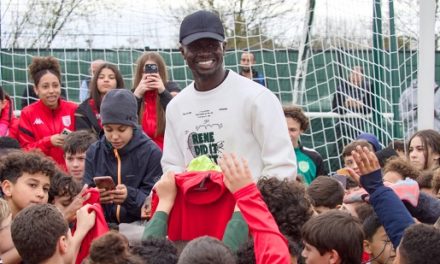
199, 209
38, 123
149, 118
8, 121
270, 246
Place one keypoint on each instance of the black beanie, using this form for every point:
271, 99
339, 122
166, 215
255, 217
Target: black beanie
119, 106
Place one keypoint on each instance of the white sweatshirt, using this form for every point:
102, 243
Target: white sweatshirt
238, 116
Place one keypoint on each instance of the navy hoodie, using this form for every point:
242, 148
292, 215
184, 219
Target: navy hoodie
140, 169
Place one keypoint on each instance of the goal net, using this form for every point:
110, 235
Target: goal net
345, 62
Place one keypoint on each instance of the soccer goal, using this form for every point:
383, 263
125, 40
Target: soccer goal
315, 55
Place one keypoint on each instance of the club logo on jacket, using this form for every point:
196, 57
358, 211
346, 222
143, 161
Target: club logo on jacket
38, 121
66, 121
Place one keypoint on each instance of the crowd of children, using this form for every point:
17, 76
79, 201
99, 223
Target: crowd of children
71, 176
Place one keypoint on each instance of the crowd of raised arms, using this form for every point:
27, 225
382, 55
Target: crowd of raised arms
212, 173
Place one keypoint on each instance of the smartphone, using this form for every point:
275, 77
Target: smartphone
151, 68
66, 132
104, 182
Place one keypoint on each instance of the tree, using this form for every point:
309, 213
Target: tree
39, 22
245, 21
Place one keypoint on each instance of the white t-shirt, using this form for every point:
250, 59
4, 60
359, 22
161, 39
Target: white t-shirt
238, 116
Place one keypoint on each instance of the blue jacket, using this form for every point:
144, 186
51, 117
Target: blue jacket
387, 206
140, 169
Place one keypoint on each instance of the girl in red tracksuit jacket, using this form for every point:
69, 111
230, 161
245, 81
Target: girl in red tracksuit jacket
42, 123
8, 122
150, 82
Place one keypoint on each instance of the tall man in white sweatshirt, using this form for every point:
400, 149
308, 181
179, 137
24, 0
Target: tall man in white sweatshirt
223, 111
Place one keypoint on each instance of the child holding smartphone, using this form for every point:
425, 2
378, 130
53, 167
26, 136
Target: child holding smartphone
150, 88
125, 154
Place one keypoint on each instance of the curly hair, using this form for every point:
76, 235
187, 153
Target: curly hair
401, 166
41, 65
425, 179
111, 248
63, 185
245, 253
34, 235
419, 244
156, 250
287, 202
296, 113
13, 165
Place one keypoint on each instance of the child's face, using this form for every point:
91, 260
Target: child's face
350, 163
62, 202
417, 153
75, 165
106, 81
294, 128
28, 190
380, 247
118, 135
312, 255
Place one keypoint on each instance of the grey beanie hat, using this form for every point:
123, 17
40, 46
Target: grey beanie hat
119, 106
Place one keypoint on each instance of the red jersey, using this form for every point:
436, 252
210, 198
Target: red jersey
203, 206
38, 123
149, 118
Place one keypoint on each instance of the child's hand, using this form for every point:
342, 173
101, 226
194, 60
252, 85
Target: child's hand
57, 140
166, 191
236, 174
119, 194
155, 82
70, 211
85, 220
366, 161
105, 196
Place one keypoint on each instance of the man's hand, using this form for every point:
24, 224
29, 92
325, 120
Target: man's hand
166, 191
236, 174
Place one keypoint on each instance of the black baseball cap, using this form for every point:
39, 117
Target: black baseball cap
201, 24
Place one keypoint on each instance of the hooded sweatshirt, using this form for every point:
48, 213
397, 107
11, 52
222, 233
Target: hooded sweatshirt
140, 168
